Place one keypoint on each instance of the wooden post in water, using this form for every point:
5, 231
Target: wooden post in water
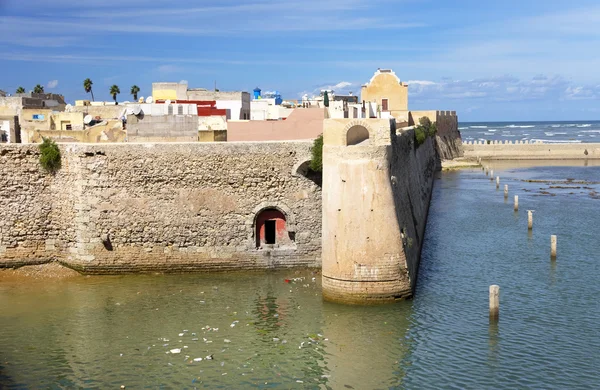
497, 182
516, 202
506, 191
530, 219
553, 247
491, 174
494, 302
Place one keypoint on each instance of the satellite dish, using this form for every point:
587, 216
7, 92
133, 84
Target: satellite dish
68, 107
126, 102
137, 110
129, 111
168, 101
141, 99
149, 99
87, 119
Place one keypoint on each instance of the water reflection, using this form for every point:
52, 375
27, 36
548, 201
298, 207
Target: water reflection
366, 345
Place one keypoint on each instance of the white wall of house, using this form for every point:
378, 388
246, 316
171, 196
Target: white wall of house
234, 108
5, 130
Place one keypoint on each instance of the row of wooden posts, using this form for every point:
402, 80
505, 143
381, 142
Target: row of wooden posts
495, 289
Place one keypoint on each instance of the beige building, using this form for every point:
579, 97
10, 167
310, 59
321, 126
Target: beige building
388, 92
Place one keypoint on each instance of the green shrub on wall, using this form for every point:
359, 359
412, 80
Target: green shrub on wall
425, 129
420, 135
49, 155
316, 162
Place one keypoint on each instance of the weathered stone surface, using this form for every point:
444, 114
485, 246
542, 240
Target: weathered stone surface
375, 202
156, 207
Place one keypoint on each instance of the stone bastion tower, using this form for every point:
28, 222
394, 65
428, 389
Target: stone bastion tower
376, 189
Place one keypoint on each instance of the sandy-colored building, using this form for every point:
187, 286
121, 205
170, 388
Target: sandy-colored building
388, 92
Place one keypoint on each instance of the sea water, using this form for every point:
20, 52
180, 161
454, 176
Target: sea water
273, 330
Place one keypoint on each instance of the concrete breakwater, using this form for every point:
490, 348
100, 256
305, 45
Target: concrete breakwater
116, 208
531, 151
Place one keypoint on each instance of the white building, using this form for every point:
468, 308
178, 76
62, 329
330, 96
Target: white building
266, 109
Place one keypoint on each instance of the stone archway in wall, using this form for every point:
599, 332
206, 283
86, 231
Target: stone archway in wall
302, 169
272, 226
357, 132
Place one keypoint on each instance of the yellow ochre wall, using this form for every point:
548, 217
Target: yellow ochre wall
387, 86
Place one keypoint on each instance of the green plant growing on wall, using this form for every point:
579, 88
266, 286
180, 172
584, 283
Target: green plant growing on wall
20, 90
87, 86
326, 99
316, 162
425, 129
420, 135
38, 89
49, 156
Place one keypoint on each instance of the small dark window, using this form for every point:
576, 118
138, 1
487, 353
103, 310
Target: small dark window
180, 110
384, 104
270, 231
169, 110
69, 127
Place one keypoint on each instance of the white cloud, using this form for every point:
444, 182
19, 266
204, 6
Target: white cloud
421, 82
52, 84
504, 88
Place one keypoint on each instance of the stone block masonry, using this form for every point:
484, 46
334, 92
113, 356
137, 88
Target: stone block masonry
115, 208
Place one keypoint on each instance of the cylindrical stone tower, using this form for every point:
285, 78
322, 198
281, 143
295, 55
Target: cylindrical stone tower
363, 256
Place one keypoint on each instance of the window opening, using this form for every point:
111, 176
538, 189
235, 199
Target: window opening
384, 104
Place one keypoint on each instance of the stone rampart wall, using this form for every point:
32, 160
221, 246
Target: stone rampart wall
531, 151
115, 208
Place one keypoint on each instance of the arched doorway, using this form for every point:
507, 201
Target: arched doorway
271, 229
356, 134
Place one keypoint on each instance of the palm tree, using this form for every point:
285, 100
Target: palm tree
87, 85
20, 90
38, 89
134, 91
114, 91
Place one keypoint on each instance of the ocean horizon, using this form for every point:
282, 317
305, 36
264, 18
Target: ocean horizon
546, 131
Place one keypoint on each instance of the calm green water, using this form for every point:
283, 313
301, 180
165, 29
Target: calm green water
104, 332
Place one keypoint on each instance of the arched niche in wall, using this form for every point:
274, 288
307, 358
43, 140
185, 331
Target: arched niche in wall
273, 225
302, 169
356, 134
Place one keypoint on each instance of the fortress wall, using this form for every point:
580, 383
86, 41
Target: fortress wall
499, 150
375, 202
115, 208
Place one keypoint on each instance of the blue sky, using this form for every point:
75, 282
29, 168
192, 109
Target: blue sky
502, 60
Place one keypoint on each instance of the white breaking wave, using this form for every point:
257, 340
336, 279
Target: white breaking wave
556, 126
586, 125
479, 127
519, 126
555, 141
463, 128
590, 131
